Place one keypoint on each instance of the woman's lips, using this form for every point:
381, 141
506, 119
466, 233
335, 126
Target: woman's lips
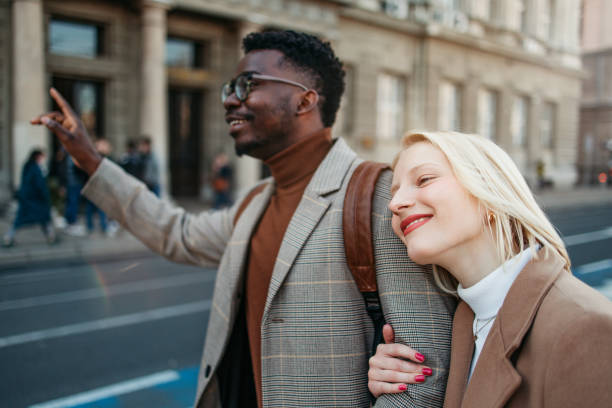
413, 222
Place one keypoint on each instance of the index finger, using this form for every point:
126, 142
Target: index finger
61, 102
403, 351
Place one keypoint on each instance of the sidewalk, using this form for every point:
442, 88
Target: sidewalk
31, 247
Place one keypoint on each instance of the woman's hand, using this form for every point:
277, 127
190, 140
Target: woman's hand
390, 371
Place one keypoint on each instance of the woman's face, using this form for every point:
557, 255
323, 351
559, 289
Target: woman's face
433, 214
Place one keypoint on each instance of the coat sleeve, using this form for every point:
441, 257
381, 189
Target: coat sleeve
420, 314
579, 371
168, 230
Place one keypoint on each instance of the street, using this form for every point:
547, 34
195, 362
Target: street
129, 333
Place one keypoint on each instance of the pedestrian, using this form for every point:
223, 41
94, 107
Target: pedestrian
527, 333
150, 166
222, 181
288, 326
103, 147
34, 200
131, 161
75, 180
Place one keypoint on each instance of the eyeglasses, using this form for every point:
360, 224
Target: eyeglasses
241, 85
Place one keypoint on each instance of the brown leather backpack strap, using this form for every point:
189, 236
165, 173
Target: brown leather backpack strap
357, 224
247, 200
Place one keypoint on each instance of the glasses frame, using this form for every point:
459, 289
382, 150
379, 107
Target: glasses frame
250, 76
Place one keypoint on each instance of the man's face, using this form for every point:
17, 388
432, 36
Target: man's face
262, 125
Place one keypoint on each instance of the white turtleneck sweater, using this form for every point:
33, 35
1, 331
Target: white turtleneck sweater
487, 296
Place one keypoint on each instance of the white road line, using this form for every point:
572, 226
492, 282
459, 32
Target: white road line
588, 237
108, 323
114, 290
113, 390
593, 267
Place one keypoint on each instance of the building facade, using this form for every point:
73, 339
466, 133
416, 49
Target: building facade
595, 140
508, 69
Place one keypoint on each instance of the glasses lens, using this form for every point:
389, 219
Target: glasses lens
226, 91
242, 87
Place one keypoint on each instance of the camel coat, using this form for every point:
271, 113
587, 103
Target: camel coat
550, 346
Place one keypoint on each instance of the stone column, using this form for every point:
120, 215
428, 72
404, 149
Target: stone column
154, 89
248, 169
29, 96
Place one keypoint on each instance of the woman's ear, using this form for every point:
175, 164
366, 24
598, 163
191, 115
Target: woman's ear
309, 101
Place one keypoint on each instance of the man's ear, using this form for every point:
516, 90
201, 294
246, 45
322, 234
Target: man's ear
309, 101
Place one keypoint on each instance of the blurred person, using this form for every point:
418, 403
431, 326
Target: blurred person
75, 180
222, 181
103, 147
526, 333
34, 200
288, 325
131, 161
150, 166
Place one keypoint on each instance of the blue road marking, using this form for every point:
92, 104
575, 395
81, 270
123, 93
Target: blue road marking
179, 393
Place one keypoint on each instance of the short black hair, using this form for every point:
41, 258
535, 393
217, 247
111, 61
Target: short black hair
313, 57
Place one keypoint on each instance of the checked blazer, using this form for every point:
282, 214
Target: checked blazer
316, 334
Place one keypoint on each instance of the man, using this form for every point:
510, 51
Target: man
288, 326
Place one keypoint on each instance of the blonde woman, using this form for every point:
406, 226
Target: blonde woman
526, 333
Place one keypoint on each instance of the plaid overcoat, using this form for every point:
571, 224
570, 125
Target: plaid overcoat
316, 334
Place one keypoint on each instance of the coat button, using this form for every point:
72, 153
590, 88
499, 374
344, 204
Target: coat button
207, 371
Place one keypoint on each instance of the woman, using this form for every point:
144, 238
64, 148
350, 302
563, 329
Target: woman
34, 200
526, 333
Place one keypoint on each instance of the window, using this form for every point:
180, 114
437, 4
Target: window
395, 8
547, 125
182, 53
487, 113
518, 124
449, 111
75, 38
390, 106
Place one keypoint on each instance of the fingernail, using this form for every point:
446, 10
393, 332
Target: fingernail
402, 387
45, 120
419, 378
427, 371
419, 357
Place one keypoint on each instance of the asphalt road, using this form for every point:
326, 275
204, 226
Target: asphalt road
130, 333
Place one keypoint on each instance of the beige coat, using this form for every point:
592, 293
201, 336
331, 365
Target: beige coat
550, 346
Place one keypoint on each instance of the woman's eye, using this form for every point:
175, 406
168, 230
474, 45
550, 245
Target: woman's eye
424, 180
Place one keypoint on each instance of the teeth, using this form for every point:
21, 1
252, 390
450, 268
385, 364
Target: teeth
236, 122
415, 221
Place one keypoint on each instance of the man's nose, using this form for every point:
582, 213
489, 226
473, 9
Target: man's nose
231, 101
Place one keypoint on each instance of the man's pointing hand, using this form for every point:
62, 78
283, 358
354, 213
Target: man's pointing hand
70, 131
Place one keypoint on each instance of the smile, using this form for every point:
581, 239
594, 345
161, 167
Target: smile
413, 222
236, 122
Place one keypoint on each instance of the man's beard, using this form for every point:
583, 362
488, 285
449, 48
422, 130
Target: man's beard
245, 148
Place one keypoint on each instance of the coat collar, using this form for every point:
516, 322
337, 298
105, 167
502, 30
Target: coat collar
495, 378
327, 179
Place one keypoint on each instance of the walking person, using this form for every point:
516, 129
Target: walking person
222, 181
104, 148
288, 325
150, 166
34, 200
526, 333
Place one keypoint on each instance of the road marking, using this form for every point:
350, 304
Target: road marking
113, 390
113, 290
593, 267
588, 237
108, 323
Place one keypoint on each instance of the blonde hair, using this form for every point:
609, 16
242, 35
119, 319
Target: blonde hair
490, 175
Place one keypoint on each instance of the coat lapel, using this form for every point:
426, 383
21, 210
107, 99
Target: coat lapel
495, 378
462, 349
327, 179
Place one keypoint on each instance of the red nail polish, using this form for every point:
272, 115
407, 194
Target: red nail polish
419, 357
402, 387
419, 378
427, 371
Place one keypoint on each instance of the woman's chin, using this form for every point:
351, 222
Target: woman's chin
420, 255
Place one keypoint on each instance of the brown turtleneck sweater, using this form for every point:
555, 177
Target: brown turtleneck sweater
292, 169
